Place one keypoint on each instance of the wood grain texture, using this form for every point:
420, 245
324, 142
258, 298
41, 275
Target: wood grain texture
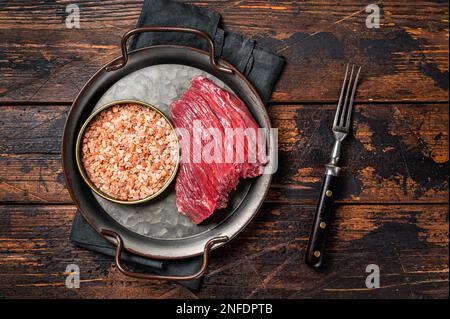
393, 200
405, 59
408, 243
397, 153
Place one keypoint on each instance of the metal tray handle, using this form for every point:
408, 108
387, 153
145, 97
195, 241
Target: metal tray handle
199, 33
198, 274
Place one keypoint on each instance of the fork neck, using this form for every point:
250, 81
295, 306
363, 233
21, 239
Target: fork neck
336, 153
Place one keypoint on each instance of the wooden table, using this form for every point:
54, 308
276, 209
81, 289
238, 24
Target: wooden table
393, 204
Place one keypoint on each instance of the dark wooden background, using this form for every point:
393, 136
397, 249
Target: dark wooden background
393, 205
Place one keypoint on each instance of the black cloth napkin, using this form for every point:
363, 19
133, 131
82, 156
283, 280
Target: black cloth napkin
259, 65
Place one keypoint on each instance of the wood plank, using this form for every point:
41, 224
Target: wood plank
398, 153
395, 153
408, 243
405, 59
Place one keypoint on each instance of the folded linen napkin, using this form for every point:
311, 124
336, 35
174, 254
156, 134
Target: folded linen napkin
261, 67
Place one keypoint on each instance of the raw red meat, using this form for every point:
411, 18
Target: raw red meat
203, 186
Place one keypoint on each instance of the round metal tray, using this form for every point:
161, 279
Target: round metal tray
136, 228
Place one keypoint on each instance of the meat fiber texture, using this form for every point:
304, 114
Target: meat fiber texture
203, 185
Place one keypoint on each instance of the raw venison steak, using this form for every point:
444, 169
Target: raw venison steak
213, 159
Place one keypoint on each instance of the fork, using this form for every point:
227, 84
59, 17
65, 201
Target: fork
315, 250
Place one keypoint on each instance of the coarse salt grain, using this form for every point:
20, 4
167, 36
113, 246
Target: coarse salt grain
129, 151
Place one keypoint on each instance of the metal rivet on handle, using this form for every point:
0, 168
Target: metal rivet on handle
322, 225
329, 193
317, 253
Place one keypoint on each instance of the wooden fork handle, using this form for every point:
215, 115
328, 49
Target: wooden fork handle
315, 250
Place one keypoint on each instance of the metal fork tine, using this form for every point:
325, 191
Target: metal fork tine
347, 94
350, 106
339, 107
